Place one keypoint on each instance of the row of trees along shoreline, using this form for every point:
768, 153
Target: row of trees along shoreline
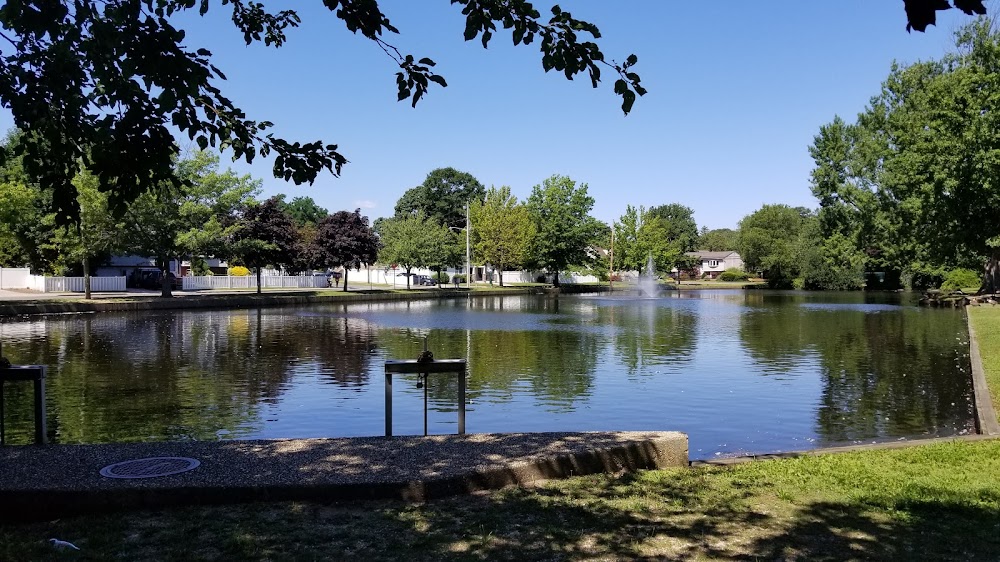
909, 190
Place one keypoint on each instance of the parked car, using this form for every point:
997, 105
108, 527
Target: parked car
424, 280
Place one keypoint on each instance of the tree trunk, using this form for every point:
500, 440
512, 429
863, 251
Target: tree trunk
345, 278
258, 279
555, 279
991, 277
500, 274
86, 278
408, 278
165, 287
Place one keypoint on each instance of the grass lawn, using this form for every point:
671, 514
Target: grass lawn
937, 502
986, 323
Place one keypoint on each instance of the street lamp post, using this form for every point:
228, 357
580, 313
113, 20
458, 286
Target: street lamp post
468, 249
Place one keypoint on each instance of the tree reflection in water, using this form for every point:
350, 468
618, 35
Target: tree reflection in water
738, 370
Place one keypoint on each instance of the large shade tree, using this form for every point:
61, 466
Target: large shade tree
914, 182
407, 242
102, 82
442, 197
345, 239
264, 235
770, 242
191, 219
502, 228
677, 225
564, 229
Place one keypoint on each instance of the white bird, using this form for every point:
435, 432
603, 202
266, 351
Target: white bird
63, 545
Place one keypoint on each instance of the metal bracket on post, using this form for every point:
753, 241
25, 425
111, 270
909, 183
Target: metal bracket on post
35, 374
426, 368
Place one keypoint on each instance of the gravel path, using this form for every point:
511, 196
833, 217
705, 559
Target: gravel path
51, 481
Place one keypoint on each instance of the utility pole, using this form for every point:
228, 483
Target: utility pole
468, 249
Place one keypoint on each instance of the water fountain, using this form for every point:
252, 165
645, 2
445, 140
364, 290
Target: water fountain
648, 284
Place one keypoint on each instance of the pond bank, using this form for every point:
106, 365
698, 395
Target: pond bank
56, 481
930, 502
182, 301
984, 332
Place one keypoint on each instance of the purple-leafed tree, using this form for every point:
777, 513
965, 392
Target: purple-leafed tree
346, 240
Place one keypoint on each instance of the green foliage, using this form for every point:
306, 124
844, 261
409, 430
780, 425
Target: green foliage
770, 242
303, 210
831, 264
458, 278
926, 278
502, 229
197, 218
200, 267
734, 274
264, 235
961, 279
914, 182
442, 277
718, 240
442, 197
663, 233
101, 84
677, 225
415, 241
564, 229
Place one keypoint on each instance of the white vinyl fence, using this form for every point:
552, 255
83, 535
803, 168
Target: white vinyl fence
14, 277
21, 278
532, 276
197, 283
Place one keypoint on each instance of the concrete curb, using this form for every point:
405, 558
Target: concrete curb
62, 480
253, 300
986, 416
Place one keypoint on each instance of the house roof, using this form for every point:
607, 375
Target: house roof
706, 255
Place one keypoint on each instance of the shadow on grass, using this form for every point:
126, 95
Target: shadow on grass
679, 516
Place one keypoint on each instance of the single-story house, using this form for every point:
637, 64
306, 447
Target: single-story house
713, 263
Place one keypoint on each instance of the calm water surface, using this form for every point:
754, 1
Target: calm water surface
738, 371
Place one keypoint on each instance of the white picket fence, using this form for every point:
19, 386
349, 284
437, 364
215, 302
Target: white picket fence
75, 284
206, 282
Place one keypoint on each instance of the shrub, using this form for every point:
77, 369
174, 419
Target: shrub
458, 278
541, 279
961, 279
734, 274
239, 271
442, 277
926, 278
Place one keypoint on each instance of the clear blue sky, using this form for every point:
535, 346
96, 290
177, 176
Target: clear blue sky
735, 98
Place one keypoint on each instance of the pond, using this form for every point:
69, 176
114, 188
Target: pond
739, 371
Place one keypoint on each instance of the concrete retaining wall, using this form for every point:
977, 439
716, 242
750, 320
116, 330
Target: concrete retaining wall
986, 416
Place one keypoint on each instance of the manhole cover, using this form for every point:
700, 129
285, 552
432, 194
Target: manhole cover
150, 468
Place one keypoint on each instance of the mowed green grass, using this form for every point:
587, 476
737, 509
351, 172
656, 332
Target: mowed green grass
986, 323
934, 502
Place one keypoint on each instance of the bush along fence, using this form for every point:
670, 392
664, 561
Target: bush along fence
197, 283
21, 278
